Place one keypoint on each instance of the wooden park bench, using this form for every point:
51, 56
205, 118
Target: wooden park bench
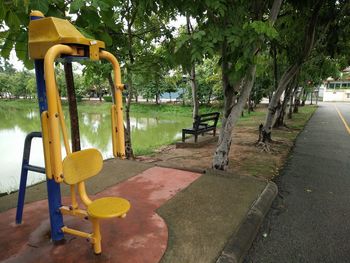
203, 123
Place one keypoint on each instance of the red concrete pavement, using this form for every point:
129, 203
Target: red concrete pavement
141, 237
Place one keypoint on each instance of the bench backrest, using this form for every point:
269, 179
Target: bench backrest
205, 119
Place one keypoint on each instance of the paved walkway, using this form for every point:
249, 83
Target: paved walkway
310, 221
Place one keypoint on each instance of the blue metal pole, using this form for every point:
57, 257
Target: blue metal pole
22, 189
53, 188
24, 174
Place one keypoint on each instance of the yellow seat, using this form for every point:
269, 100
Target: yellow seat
108, 207
77, 167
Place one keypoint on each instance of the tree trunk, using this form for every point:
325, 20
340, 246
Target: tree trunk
290, 109
209, 97
73, 111
279, 120
157, 96
250, 108
194, 92
100, 94
111, 87
296, 105
231, 114
129, 153
128, 143
128, 149
311, 98
183, 97
304, 98
287, 76
292, 101
297, 102
193, 75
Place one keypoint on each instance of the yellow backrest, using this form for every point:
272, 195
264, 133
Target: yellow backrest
81, 165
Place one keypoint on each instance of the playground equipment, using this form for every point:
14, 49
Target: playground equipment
51, 38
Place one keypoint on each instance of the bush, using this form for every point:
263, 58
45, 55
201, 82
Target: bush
107, 98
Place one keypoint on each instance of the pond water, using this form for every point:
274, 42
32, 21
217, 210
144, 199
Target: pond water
148, 132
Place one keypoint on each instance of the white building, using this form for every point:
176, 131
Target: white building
336, 90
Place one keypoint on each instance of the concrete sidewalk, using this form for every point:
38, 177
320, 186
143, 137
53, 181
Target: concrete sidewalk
199, 218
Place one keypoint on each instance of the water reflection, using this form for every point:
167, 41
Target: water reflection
17, 122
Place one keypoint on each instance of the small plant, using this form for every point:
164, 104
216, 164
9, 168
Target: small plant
107, 98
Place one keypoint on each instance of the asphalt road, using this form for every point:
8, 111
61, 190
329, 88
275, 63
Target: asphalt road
310, 219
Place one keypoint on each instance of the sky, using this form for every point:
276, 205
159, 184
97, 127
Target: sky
18, 65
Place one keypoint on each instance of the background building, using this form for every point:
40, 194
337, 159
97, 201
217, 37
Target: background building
336, 90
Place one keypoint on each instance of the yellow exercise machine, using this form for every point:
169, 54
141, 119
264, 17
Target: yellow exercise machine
51, 38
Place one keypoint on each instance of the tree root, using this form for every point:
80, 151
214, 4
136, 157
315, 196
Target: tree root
264, 146
264, 139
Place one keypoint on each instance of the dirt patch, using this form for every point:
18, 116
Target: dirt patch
244, 158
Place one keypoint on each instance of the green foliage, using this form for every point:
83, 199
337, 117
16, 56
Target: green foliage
317, 69
209, 81
17, 84
95, 78
43, 6
263, 85
264, 28
76, 5
229, 31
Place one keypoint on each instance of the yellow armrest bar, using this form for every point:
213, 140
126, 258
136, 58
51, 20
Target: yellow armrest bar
53, 111
120, 145
46, 140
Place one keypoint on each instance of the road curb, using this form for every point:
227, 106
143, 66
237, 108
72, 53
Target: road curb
240, 242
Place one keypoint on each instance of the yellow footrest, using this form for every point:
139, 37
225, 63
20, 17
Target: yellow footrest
108, 207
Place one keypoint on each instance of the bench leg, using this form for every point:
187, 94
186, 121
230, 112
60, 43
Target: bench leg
183, 137
195, 138
214, 132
